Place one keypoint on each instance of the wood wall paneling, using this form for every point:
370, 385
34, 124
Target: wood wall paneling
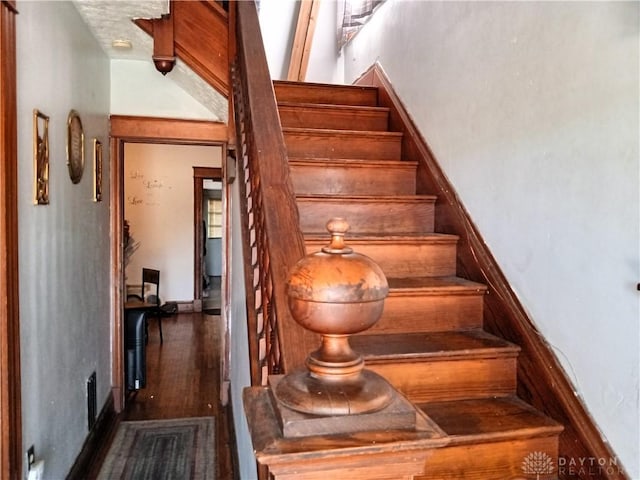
201, 40
201, 33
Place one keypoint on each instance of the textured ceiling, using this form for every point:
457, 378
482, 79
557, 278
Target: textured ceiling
111, 20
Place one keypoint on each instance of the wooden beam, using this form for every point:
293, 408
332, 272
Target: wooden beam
231, 55
207, 172
10, 398
164, 55
167, 130
303, 40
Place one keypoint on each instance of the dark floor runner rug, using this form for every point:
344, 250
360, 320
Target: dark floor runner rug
179, 449
212, 311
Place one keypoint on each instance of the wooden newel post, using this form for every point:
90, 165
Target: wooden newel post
334, 417
336, 293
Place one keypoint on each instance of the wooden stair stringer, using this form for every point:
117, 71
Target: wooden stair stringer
200, 39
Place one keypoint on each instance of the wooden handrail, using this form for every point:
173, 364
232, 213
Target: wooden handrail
272, 237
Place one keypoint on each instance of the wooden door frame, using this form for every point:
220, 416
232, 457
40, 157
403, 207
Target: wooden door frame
200, 174
133, 129
10, 396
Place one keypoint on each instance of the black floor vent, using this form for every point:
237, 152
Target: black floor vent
92, 402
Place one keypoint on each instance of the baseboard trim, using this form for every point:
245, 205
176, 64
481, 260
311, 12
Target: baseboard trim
95, 443
187, 306
541, 379
235, 458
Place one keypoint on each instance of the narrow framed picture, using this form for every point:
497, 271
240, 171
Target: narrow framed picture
97, 170
40, 158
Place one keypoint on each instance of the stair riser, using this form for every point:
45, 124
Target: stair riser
366, 217
429, 313
486, 461
404, 260
325, 179
309, 144
398, 464
456, 379
335, 95
333, 118
489, 461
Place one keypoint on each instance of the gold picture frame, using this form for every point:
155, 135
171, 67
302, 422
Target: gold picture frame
97, 170
75, 146
40, 158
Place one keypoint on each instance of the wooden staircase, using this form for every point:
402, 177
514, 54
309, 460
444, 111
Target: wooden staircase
430, 343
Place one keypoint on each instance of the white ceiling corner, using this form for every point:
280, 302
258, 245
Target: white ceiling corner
111, 20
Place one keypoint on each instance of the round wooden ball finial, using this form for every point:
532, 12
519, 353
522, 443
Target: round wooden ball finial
336, 293
337, 228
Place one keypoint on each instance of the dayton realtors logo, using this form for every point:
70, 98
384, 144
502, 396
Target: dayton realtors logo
540, 463
588, 466
537, 463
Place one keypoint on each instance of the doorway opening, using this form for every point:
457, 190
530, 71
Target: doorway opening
163, 213
164, 134
212, 210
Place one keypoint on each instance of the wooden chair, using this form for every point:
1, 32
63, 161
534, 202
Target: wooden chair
152, 277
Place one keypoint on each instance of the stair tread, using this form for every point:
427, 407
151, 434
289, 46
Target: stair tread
336, 132
435, 345
332, 106
387, 239
325, 93
489, 419
372, 198
325, 85
363, 162
450, 283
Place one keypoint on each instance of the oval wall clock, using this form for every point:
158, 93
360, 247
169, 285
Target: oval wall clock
75, 146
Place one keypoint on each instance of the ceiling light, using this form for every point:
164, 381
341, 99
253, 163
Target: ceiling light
122, 44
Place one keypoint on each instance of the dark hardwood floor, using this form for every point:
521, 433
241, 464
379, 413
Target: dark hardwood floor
183, 379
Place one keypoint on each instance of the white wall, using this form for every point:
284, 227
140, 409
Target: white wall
64, 246
278, 20
238, 343
532, 110
325, 63
158, 203
137, 88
